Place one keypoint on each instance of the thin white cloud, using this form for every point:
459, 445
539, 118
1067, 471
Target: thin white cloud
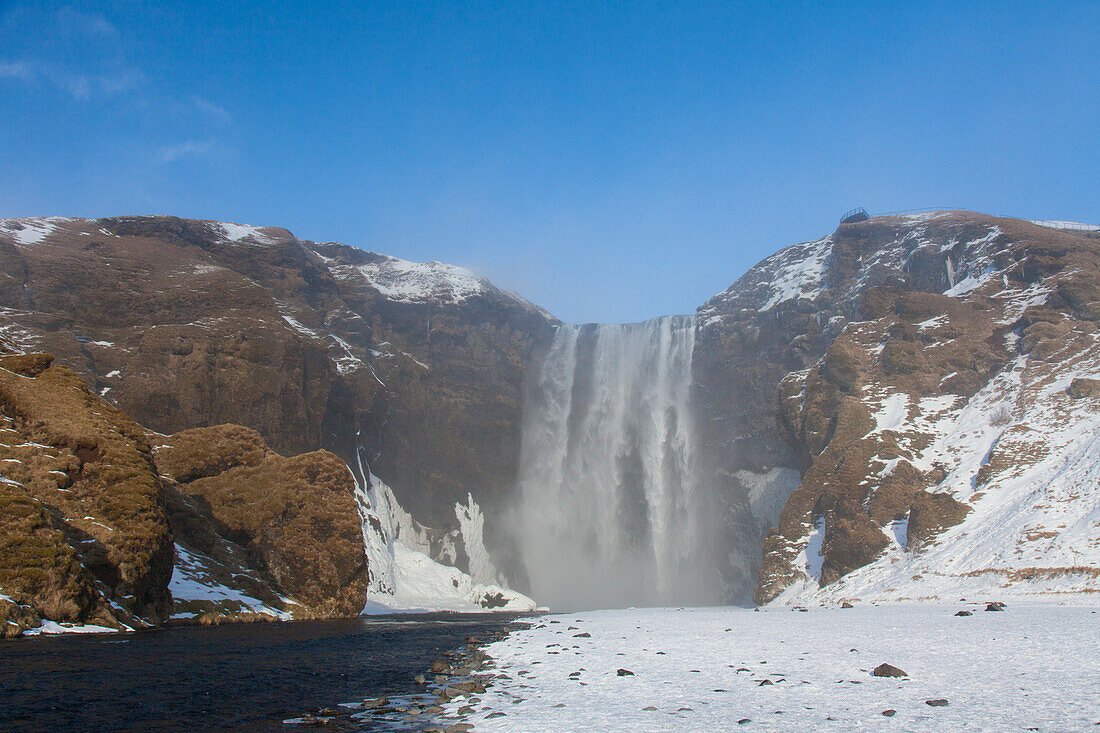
207, 107
79, 53
90, 24
86, 86
186, 149
16, 70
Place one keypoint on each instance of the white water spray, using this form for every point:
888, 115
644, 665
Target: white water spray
610, 509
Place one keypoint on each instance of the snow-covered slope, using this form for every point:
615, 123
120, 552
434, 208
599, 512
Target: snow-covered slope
952, 427
416, 282
1024, 455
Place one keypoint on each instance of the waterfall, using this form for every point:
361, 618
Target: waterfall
610, 511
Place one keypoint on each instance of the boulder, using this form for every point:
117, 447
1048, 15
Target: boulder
888, 670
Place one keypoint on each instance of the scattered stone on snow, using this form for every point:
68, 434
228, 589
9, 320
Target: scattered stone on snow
888, 670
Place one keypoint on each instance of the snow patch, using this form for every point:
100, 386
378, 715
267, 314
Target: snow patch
419, 282
51, 628
899, 532
934, 322
241, 232
192, 580
1066, 225
30, 231
797, 272
471, 524
892, 414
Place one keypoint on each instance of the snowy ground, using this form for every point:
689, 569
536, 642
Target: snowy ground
421, 585
1032, 667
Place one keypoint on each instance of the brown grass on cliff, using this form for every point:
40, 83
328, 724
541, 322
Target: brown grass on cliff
296, 517
203, 452
98, 521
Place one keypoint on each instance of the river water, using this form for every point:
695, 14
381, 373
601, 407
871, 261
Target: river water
235, 677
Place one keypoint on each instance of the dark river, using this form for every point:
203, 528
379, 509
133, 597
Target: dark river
236, 677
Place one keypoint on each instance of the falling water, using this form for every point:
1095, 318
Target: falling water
610, 512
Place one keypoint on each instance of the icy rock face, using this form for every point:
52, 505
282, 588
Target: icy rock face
904, 375
471, 530
610, 509
403, 574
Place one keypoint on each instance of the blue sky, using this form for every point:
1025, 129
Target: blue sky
609, 161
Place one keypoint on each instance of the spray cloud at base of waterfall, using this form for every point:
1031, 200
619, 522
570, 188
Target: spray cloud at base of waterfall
611, 511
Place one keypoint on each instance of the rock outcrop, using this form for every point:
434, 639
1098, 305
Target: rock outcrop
909, 357
294, 518
103, 522
84, 535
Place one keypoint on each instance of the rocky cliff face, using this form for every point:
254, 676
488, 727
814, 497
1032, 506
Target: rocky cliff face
900, 365
106, 523
184, 323
872, 408
84, 533
293, 519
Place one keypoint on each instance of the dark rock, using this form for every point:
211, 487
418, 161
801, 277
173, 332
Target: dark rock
890, 713
1082, 387
963, 613
888, 670
449, 693
937, 703
846, 605
995, 606
625, 673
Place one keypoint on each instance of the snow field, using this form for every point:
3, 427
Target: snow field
1031, 666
